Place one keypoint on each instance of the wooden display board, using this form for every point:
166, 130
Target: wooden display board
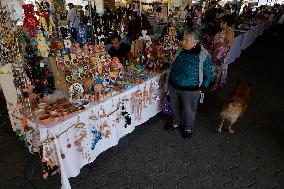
136, 47
59, 78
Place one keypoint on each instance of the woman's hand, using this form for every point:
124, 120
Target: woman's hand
172, 59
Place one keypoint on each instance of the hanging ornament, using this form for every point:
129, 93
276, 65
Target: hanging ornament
37, 80
45, 18
30, 21
97, 136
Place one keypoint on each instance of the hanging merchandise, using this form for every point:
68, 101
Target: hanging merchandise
145, 97
97, 136
151, 92
76, 92
105, 130
30, 21
137, 104
126, 115
69, 145
10, 54
42, 78
170, 44
36, 67
8, 51
46, 23
22, 137
67, 45
42, 45
50, 156
64, 33
82, 36
102, 113
80, 139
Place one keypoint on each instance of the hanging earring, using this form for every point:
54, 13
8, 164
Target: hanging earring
133, 102
151, 92
108, 133
112, 103
145, 97
81, 135
93, 116
68, 142
96, 136
140, 104
102, 113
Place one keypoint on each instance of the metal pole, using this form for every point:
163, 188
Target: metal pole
91, 21
140, 6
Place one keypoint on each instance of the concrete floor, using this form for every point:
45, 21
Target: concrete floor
152, 158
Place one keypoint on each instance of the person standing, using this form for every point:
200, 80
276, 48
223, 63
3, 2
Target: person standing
119, 49
189, 75
221, 44
73, 19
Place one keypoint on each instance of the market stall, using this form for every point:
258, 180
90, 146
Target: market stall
77, 141
69, 100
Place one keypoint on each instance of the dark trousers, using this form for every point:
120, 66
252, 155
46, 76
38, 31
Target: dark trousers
74, 33
184, 105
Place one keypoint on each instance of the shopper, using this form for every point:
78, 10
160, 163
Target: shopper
190, 74
221, 44
73, 19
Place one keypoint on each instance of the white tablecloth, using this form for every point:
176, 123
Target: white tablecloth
235, 50
72, 163
243, 41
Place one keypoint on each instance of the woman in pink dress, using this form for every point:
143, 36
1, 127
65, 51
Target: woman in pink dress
221, 44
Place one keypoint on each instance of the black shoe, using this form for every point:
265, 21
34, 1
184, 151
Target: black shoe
187, 133
170, 127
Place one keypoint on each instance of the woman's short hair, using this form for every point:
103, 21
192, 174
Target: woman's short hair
115, 36
193, 32
227, 18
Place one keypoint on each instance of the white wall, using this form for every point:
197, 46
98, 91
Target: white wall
175, 3
99, 4
77, 2
270, 2
17, 6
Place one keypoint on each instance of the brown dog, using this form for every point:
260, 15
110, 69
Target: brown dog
236, 105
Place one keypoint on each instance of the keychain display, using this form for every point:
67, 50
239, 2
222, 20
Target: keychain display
102, 113
137, 104
145, 97
80, 137
97, 136
126, 115
104, 129
151, 92
50, 156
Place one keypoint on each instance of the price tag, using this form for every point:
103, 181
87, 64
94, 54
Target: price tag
201, 98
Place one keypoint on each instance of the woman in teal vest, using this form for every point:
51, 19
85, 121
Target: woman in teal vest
190, 74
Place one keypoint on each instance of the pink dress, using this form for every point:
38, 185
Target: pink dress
219, 58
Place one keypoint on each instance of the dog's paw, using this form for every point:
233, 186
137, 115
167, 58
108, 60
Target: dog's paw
219, 130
